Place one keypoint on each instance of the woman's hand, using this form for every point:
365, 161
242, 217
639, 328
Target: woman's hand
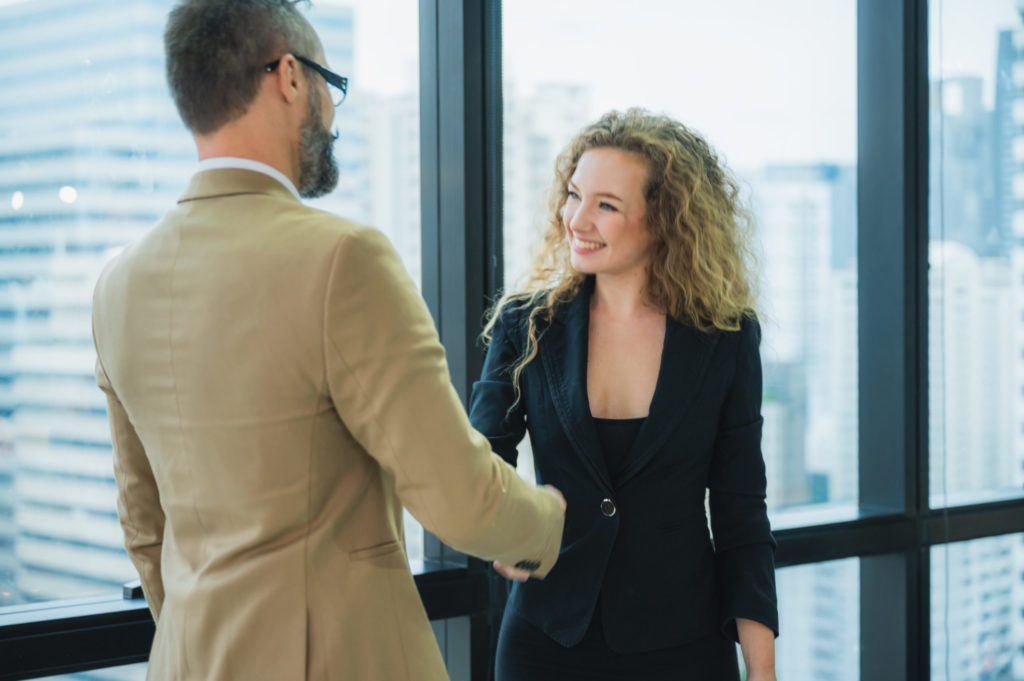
758, 645
512, 573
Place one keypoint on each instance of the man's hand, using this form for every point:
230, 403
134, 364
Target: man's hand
516, 574
552, 490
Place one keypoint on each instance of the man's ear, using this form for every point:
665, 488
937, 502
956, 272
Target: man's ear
287, 81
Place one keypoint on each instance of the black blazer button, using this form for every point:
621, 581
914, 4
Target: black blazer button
608, 508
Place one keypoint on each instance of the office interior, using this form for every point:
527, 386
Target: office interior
880, 146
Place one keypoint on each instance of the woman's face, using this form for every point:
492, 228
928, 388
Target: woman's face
604, 216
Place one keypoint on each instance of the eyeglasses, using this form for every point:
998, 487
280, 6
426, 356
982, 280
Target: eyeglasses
340, 83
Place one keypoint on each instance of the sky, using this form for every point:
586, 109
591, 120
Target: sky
763, 81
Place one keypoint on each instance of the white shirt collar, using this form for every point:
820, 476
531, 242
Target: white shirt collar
221, 162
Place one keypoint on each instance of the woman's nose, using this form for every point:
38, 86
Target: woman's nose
581, 216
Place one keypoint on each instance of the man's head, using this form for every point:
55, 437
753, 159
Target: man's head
218, 52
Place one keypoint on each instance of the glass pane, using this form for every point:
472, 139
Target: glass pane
776, 97
819, 618
91, 154
378, 150
977, 605
976, 263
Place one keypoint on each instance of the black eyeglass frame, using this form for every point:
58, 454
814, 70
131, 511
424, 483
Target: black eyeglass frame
332, 78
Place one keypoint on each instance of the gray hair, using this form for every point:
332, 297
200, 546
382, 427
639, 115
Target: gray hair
216, 50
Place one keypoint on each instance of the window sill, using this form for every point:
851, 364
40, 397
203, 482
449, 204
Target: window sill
60, 637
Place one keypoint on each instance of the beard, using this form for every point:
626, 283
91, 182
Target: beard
318, 169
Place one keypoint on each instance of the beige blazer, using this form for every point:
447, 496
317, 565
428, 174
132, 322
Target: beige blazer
277, 392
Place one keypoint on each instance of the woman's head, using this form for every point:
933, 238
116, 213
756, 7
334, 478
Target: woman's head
605, 214
636, 191
697, 233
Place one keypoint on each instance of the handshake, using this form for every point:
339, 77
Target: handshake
517, 574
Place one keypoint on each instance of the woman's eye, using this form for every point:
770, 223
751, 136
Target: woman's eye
607, 206
573, 195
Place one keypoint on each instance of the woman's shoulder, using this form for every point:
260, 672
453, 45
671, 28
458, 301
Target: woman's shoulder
746, 324
749, 326
514, 310
745, 335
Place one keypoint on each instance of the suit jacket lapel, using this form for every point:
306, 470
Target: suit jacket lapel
684, 360
563, 353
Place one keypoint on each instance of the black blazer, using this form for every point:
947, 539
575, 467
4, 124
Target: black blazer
639, 542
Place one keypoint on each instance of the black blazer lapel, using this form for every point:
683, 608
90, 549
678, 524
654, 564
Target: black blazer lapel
684, 361
563, 351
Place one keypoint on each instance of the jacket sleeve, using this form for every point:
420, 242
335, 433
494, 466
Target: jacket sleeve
389, 381
138, 500
491, 409
744, 546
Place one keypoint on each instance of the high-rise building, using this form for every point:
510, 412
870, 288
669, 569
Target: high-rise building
976, 366
819, 608
806, 225
972, 615
1008, 183
1009, 117
808, 298
537, 127
961, 135
391, 128
971, 394
1007, 146
91, 152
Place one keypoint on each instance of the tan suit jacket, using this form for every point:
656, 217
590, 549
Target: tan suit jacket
277, 392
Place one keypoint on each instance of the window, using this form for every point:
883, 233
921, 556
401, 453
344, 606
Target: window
819, 618
91, 154
975, 634
773, 89
976, 371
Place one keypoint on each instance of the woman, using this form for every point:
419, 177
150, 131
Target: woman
631, 357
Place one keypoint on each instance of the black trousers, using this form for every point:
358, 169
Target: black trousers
525, 653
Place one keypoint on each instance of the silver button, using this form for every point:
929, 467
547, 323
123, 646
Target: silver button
608, 507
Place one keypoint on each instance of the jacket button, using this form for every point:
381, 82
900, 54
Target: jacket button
608, 508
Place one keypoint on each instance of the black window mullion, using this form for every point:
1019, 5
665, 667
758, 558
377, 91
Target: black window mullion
892, 260
461, 189
898, 532
892, 132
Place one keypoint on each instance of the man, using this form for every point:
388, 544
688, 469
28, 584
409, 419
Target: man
276, 391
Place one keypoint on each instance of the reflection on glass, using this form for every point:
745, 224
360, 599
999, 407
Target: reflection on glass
91, 154
741, 74
977, 611
819, 618
976, 263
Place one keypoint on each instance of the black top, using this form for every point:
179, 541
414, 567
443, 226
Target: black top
617, 438
636, 539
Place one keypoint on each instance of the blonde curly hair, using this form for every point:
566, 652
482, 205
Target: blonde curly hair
702, 262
